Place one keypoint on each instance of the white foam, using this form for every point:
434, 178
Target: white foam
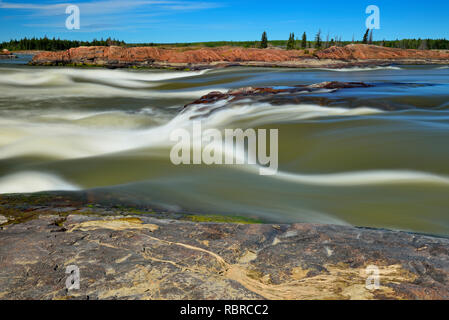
123, 78
360, 69
264, 113
66, 82
114, 132
86, 90
378, 177
28, 182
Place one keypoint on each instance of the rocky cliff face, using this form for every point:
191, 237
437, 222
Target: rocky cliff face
226, 56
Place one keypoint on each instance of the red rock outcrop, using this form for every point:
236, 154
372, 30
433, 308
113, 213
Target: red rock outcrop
370, 52
225, 56
6, 54
103, 55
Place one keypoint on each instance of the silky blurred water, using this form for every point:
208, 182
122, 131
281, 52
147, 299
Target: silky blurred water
374, 157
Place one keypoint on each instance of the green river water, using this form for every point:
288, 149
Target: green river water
375, 157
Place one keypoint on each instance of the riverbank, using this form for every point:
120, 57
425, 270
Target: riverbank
29, 52
206, 58
141, 255
5, 54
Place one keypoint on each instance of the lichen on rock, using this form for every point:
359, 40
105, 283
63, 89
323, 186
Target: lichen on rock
141, 257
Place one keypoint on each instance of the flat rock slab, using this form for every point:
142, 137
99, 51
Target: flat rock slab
138, 257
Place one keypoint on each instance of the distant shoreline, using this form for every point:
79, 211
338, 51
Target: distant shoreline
30, 52
207, 58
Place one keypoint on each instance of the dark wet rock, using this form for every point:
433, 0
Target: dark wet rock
321, 94
313, 94
241, 93
338, 85
140, 257
250, 92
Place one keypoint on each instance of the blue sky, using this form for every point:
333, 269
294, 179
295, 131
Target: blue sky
210, 20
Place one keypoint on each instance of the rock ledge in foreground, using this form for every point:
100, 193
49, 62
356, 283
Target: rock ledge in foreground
5, 54
138, 257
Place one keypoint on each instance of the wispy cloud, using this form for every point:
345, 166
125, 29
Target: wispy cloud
103, 14
111, 6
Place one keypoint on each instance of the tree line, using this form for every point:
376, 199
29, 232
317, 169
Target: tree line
53, 44
320, 43
293, 42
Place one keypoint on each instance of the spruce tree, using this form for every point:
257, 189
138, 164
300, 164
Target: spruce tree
318, 40
365, 37
304, 41
264, 42
291, 42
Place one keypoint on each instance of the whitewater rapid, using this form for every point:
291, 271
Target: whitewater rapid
343, 161
76, 140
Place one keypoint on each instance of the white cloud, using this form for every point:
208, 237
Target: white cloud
111, 6
103, 14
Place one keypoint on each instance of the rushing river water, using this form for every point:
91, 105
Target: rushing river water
376, 157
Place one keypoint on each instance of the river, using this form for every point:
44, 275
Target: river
373, 157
